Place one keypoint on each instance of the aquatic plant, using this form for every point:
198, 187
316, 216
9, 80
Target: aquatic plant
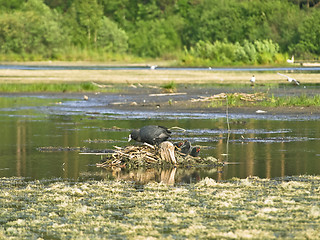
251, 208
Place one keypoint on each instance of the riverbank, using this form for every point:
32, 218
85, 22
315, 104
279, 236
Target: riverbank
149, 76
169, 90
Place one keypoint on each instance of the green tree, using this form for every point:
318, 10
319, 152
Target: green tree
154, 38
110, 38
83, 21
309, 33
8, 5
33, 30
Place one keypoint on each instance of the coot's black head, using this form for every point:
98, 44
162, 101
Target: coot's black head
135, 135
195, 152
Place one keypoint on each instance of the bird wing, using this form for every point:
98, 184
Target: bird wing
283, 75
167, 130
296, 82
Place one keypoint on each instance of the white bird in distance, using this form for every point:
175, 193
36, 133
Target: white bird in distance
253, 80
153, 67
290, 79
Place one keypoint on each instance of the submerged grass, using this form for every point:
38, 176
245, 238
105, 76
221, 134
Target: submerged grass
249, 208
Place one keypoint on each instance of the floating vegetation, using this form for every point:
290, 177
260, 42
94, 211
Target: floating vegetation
151, 156
251, 208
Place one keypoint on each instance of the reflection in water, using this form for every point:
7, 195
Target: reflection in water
143, 176
21, 149
260, 147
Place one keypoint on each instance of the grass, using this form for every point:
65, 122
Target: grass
300, 101
249, 208
52, 87
170, 87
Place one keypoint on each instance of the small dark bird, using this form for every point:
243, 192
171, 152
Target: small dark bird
186, 147
151, 134
195, 151
177, 145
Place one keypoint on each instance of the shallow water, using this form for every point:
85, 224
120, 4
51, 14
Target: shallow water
257, 145
101, 67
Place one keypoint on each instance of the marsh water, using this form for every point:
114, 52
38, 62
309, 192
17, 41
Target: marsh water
255, 146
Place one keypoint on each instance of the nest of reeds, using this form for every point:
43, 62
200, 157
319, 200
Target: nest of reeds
151, 156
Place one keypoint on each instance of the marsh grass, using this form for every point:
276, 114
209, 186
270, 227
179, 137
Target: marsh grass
170, 87
273, 101
251, 208
53, 87
302, 100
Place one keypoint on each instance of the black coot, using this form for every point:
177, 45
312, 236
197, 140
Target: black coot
195, 151
151, 134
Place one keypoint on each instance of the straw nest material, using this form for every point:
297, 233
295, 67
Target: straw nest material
147, 155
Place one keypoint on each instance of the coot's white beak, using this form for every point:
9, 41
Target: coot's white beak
129, 138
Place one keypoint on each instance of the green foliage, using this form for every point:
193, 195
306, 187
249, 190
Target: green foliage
154, 38
83, 21
213, 31
309, 33
170, 87
49, 87
6, 5
110, 38
302, 100
258, 52
33, 30
235, 100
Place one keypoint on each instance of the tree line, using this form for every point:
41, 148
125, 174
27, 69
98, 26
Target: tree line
197, 32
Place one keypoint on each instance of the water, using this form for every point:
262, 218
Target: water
219, 69
257, 145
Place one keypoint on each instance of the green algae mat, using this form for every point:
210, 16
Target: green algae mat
252, 208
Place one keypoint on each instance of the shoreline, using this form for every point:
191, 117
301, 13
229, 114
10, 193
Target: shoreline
140, 102
148, 76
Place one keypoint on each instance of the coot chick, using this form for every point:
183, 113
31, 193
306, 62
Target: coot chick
151, 134
195, 151
177, 145
186, 147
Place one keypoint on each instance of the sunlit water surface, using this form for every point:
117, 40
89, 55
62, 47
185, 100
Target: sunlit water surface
255, 146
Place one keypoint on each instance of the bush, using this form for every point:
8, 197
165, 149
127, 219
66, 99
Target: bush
33, 30
223, 52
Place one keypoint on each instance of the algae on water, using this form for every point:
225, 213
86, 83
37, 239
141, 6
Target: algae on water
251, 208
